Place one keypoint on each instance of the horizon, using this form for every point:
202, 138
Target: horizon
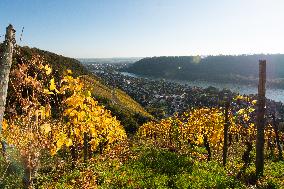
265, 54
109, 29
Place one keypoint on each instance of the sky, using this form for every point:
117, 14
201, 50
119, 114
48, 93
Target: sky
143, 28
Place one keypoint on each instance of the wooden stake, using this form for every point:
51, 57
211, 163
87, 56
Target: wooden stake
260, 119
226, 128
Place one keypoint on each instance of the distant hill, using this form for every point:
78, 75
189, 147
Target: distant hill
128, 111
126, 60
241, 69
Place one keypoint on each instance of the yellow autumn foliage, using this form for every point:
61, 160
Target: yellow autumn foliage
192, 128
83, 115
77, 113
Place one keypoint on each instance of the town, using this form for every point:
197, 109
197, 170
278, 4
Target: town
164, 98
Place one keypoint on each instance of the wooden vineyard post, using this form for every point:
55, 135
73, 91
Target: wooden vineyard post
226, 128
5, 66
6, 59
260, 119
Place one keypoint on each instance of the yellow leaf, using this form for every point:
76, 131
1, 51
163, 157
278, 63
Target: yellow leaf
45, 128
53, 151
46, 91
48, 69
52, 85
254, 102
200, 140
251, 110
4, 124
60, 141
93, 131
241, 111
89, 94
239, 97
77, 132
69, 142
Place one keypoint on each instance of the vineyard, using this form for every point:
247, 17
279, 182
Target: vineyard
63, 128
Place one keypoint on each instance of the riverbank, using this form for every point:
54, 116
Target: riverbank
271, 93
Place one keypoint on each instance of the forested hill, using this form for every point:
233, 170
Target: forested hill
58, 62
128, 111
241, 68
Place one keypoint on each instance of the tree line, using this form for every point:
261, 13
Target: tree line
222, 68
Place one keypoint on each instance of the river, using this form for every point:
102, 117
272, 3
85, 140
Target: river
273, 94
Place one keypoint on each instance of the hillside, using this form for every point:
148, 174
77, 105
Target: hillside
129, 112
242, 68
57, 136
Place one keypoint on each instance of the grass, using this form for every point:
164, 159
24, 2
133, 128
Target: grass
11, 170
146, 168
143, 165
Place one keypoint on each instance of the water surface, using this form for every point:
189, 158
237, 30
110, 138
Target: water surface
274, 94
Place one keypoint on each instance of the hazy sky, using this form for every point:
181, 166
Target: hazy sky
138, 28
